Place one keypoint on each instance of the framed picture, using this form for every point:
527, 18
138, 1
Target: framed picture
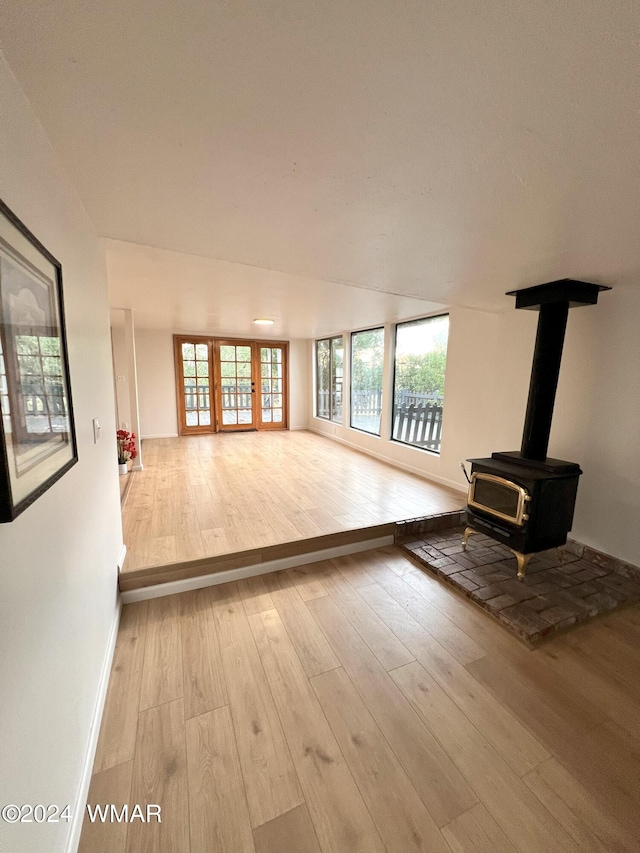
37, 436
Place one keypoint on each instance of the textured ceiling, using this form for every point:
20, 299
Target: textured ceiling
444, 150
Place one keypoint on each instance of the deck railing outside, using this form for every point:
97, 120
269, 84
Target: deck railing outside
419, 424
233, 397
417, 418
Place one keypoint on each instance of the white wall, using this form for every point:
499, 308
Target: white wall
121, 377
58, 559
299, 383
157, 384
597, 421
596, 418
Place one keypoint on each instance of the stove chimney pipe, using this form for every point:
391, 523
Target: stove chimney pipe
547, 355
553, 301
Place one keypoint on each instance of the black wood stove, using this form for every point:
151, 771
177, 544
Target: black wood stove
523, 498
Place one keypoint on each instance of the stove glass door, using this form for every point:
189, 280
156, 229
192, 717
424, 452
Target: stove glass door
498, 497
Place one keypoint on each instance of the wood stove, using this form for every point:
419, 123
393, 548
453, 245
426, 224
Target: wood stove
523, 498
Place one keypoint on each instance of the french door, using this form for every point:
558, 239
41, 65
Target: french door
230, 385
235, 392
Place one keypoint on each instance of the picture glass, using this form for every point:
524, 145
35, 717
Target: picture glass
37, 426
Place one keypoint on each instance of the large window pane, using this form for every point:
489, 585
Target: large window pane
329, 373
418, 393
367, 355
323, 365
337, 367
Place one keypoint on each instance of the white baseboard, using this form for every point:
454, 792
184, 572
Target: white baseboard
122, 557
420, 472
158, 590
160, 435
75, 829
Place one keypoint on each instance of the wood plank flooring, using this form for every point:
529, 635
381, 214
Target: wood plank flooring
203, 496
359, 705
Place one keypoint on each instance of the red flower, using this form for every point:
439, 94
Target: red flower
126, 445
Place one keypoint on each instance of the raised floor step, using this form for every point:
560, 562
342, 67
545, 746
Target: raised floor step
156, 581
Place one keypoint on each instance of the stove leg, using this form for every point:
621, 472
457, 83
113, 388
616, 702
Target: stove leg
465, 536
561, 555
523, 562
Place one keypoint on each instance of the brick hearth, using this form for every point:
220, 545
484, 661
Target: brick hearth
553, 596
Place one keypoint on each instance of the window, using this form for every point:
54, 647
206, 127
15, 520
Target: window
418, 388
337, 365
323, 383
195, 380
41, 384
236, 384
329, 372
367, 355
271, 385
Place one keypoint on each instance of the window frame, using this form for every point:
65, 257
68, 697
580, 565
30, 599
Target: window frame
352, 335
393, 382
317, 389
215, 382
329, 340
198, 429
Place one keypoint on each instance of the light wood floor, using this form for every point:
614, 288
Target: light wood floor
202, 496
358, 705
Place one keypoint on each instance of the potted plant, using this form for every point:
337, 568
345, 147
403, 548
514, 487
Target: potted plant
126, 448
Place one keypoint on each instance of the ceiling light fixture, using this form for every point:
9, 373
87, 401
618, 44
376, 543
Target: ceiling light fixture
260, 322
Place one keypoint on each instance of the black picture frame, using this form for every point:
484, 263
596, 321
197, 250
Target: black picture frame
37, 430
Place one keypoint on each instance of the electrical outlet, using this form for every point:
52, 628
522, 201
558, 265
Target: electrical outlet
121, 378
96, 430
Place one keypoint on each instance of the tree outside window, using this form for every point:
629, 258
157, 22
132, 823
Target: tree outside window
418, 393
329, 374
367, 359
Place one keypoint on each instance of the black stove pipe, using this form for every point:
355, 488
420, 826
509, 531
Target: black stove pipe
553, 301
552, 323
